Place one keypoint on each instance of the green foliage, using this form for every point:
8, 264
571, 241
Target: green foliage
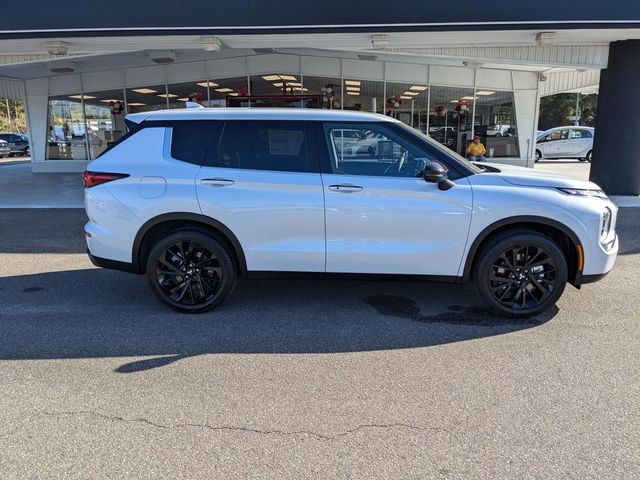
555, 110
12, 117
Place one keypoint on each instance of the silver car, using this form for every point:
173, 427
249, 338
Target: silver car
566, 142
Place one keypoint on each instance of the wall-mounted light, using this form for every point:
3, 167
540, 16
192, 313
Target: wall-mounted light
211, 44
380, 42
57, 48
545, 39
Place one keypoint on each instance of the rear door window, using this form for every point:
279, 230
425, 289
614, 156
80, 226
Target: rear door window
267, 145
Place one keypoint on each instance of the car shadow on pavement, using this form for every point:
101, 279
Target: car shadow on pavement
94, 313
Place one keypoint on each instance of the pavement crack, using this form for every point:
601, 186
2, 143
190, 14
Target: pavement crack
243, 429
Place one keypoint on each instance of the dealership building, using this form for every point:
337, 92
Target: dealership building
450, 71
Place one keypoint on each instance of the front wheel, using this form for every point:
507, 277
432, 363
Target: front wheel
589, 156
521, 274
538, 155
191, 272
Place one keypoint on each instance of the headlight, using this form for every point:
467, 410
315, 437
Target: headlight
584, 192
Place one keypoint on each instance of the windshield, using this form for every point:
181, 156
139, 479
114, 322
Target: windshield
448, 152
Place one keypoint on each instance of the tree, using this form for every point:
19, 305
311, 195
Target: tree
555, 110
12, 117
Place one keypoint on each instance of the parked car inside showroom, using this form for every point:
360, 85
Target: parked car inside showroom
566, 142
18, 143
198, 198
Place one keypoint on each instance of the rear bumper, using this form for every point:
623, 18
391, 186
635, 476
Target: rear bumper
112, 264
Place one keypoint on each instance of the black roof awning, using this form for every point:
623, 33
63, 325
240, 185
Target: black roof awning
66, 18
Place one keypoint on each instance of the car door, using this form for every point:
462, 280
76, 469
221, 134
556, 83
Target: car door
381, 215
580, 142
262, 181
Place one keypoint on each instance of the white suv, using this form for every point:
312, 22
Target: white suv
197, 198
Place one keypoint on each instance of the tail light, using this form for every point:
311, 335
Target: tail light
91, 179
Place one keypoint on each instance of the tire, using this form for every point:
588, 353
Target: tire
180, 285
503, 278
26, 152
589, 156
538, 155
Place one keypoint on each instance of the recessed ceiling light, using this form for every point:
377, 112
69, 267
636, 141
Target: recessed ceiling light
485, 92
271, 78
224, 90
413, 94
418, 88
454, 101
207, 84
288, 77
234, 94
82, 97
279, 85
183, 99
167, 95
352, 82
144, 90
111, 100
353, 93
405, 97
468, 98
136, 104
353, 89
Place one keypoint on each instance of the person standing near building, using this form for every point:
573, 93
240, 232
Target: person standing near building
476, 150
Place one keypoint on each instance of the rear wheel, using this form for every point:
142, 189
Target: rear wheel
521, 274
588, 157
191, 272
538, 155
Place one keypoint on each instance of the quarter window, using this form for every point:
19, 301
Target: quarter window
190, 140
278, 146
372, 150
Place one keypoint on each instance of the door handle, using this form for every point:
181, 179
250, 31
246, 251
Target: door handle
217, 182
345, 188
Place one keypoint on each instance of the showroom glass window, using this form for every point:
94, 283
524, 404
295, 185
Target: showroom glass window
179, 93
278, 90
146, 98
450, 114
277, 146
328, 91
373, 150
409, 103
495, 122
363, 95
66, 128
104, 119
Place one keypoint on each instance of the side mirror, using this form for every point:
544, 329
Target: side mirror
435, 172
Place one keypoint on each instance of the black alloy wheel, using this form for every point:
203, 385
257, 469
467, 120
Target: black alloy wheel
191, 272
522, 274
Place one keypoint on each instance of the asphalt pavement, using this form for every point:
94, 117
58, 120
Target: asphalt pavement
303, 380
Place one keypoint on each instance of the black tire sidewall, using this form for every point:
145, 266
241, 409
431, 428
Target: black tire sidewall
229, 269
488, 256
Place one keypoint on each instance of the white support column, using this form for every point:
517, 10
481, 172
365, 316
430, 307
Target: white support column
36, 98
